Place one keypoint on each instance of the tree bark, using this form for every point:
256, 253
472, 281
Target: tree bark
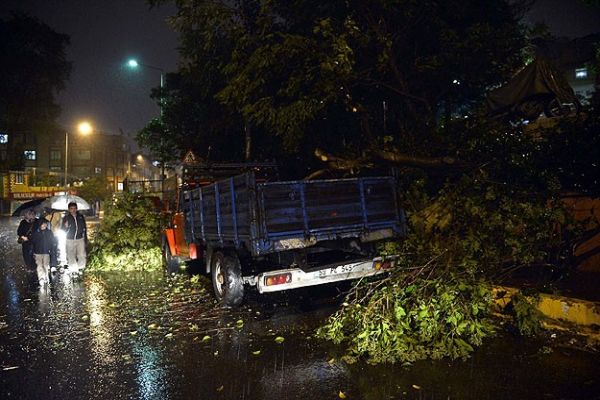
415, 161
248, 142
395, 157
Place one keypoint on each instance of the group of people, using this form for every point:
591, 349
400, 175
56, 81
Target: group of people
39, 244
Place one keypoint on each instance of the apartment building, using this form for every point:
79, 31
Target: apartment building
34, 163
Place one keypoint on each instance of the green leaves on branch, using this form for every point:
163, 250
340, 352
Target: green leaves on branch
96, 188
132, 260
527, 318
413, 317
482, 226
128, 237
438, 305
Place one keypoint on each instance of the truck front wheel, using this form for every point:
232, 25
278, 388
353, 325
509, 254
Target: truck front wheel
173, 263
227, 279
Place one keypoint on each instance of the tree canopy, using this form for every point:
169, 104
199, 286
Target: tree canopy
352, 75
34, 68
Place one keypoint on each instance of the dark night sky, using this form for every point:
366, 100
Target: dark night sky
105, 33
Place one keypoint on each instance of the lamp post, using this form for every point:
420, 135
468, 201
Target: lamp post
134, 64
84, 128
141, 161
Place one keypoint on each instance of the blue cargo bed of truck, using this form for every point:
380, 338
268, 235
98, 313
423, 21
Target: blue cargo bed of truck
270, 217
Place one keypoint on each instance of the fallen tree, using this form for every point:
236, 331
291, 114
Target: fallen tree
128, 238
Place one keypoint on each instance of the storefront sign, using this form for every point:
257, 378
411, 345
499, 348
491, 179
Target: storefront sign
31, 195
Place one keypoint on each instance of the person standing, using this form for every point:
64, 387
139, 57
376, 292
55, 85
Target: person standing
26, 228
43, 246
74, 224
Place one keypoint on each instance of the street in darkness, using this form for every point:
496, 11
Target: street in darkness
148, 336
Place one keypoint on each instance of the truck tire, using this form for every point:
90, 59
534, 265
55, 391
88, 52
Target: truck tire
172, 263
226, 274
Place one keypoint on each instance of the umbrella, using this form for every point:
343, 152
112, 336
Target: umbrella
61, 202
33, 205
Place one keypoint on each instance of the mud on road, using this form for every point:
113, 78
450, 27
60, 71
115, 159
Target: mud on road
150, 336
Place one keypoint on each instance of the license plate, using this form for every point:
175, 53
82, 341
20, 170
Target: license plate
342, 269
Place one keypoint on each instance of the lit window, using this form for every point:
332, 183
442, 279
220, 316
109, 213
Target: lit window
19, 178
3, 138
29, 154
581, 73
55, 155
98, 170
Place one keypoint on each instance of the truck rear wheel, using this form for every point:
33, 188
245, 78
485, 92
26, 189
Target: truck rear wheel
173, 263
227, 280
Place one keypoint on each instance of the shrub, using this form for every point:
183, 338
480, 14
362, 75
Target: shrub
527, 318
437, 304
412, 316
128, 237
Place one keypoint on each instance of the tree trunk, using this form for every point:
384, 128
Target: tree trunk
248, 142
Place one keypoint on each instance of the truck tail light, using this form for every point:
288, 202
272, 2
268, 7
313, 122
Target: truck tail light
193, 251
383, 265
278, 279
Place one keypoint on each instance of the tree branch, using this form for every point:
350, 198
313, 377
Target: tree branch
316, 174
416, 161
396, 157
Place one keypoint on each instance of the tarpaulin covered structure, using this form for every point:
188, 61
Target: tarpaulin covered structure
537, 88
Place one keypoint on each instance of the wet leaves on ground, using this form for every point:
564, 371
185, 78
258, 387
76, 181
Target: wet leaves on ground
279, 339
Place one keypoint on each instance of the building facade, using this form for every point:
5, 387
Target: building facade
33, 165
43, 157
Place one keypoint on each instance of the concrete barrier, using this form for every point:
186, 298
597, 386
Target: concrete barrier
566, 309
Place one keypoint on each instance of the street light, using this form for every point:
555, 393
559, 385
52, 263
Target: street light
141, 161
135, 64
84, 128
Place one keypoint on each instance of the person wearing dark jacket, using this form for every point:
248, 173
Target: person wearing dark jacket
26, 228
43, 246
74, 224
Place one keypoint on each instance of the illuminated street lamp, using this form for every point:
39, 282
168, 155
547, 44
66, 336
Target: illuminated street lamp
142, 163
84, 128
135, 64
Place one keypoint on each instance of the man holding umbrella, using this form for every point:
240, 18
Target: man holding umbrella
74, 224
26, 228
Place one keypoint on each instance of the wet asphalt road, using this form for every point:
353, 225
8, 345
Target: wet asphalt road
147, 336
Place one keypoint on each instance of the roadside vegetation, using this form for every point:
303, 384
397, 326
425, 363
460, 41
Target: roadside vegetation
439, 302
128, 238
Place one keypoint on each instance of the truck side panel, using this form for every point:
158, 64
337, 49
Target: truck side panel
270, 217
332, 206
220, 213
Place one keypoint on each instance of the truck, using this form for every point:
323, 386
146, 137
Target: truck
282, 235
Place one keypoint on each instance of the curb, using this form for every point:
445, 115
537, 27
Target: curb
582, 313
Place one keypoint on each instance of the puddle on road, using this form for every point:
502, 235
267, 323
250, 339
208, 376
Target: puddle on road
147, 336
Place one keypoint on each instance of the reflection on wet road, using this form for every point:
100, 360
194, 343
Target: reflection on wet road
147, 336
